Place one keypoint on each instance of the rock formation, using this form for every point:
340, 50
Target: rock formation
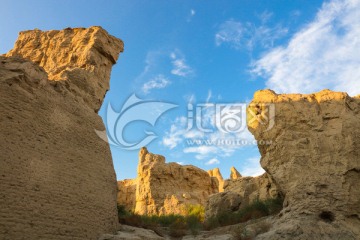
234, 174
82, 57
252, 188
314, 160
238, 192
132, 233
168, 188
217, 174
126, 195
57, 179
223, 202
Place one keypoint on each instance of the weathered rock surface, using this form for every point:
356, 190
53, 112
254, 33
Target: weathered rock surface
83, 57
132, 233
217, 174
57, 179
234, 174
239, 192
314, 160
168, 188
252, 188
126, 195
223, 202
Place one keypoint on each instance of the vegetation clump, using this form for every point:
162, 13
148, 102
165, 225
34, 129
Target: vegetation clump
193, 221
256, 209
178, 225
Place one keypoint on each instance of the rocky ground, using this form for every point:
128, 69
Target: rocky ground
248, 230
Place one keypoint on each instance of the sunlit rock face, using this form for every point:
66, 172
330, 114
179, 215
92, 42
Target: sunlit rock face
57, 179
238, 192
166, 188
81, 56
126, 195
217, 174
313, 159
234, 174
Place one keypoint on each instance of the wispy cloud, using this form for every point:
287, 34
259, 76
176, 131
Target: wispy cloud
248, 35
230, 32
205, 144
251, 167
212, 161
265, 16
323, 54
158, 65
180, 67
202, 150
176, 133
160, 81
191, 14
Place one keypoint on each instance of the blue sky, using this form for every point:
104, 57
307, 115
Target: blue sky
213, 52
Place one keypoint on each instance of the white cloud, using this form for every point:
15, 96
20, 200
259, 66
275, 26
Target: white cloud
201, 150
180, 67
216, 143
323, 54
248, 35
156, 64
193, 134
175, 135
265, 16
251, 167
202, 143
157, 82
191, 15
212, 161
230, 32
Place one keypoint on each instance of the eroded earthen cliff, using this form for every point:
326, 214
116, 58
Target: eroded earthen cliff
56, 177
238, 192
217, 174
126, 195
81, 56
314, 160
167, 188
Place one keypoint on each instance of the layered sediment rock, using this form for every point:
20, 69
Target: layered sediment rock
83, 57
239, 192
126, 195
252, 188
168, 188
57, 179
217, 174
314, 160
223, 202
234, 174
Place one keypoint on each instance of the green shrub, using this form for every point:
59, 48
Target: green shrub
121, 210
254, 210
178, 228
194, 219
191, 221
197, 211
